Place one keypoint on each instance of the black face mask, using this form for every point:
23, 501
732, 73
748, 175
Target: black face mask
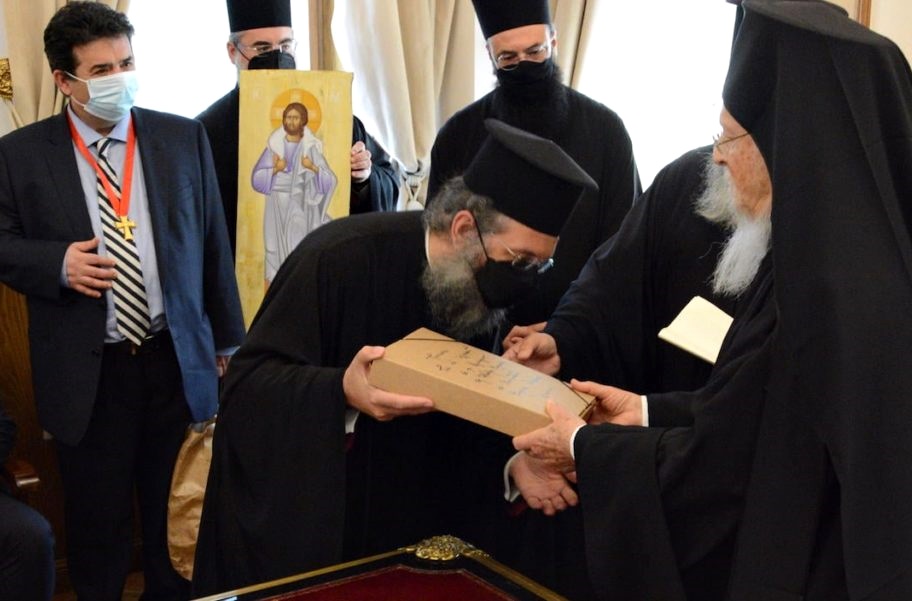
502, 285
528, 80
274, 59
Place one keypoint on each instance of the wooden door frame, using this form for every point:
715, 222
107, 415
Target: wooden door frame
864, 12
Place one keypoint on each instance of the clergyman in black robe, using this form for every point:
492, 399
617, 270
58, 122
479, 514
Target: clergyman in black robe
531, 96
271, 21
828, 512
661, 504
283, 494
606, 329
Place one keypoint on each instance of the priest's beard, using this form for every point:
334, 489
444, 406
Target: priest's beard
539, 106
749, 240
455, 301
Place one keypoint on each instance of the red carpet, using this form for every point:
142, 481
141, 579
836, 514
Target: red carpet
401, 583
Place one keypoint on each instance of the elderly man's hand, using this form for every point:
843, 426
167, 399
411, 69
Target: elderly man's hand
551, 444
541, 487
613, 405
360, 162
533, 349
379, 404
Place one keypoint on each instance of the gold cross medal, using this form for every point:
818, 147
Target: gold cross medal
125, 225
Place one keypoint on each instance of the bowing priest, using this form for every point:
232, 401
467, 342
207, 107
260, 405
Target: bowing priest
287, 491
521, 41
262, 38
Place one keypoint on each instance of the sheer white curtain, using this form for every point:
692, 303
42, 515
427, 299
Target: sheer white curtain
412, 61
573, 21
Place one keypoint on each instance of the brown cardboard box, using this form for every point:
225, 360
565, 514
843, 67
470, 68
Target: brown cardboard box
473, 384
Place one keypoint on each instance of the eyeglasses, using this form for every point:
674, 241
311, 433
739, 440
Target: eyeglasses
519, 261
720, 140
509, 60
287, 46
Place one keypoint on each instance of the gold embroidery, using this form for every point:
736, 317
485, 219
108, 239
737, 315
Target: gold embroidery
6, 79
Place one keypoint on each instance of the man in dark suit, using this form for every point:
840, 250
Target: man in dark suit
111, 225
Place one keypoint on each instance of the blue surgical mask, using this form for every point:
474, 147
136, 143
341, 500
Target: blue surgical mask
110, 97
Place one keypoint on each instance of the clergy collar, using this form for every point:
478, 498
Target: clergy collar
427, 250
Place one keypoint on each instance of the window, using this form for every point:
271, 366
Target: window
180, 52
660, 65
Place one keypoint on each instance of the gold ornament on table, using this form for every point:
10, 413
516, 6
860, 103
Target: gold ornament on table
444, 548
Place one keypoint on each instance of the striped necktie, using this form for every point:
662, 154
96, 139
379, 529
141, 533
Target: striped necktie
130, 305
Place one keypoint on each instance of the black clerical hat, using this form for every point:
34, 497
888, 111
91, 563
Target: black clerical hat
755, 64
253, 14
528, 178
495, 16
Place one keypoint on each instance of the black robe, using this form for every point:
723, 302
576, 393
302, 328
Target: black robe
661, 506
829, 508
606, 328
284, 496
595, 137
379, 193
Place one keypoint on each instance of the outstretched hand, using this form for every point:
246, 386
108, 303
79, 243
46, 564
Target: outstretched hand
379, 404
519, 333
541, 487
613, 405
527, 346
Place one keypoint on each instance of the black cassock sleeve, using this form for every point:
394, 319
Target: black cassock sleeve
381, 191
607, 324
661, 506
278, 453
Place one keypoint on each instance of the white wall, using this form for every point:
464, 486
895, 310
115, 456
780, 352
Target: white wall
183, 63
893, 18
660, 65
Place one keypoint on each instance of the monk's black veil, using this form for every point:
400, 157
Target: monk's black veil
829, 104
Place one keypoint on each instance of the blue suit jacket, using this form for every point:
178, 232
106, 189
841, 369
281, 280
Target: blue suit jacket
42, 211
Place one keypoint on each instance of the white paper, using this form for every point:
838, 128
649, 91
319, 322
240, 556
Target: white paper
699, 329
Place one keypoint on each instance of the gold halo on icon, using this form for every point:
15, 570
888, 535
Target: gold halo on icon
314, 112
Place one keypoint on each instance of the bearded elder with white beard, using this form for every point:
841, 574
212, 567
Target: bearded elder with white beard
659, 473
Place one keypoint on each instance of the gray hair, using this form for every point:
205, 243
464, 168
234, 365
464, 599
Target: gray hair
455, 196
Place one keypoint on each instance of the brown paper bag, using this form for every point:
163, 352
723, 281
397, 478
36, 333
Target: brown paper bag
185, 504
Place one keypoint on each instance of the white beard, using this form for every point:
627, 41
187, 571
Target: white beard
750, 238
